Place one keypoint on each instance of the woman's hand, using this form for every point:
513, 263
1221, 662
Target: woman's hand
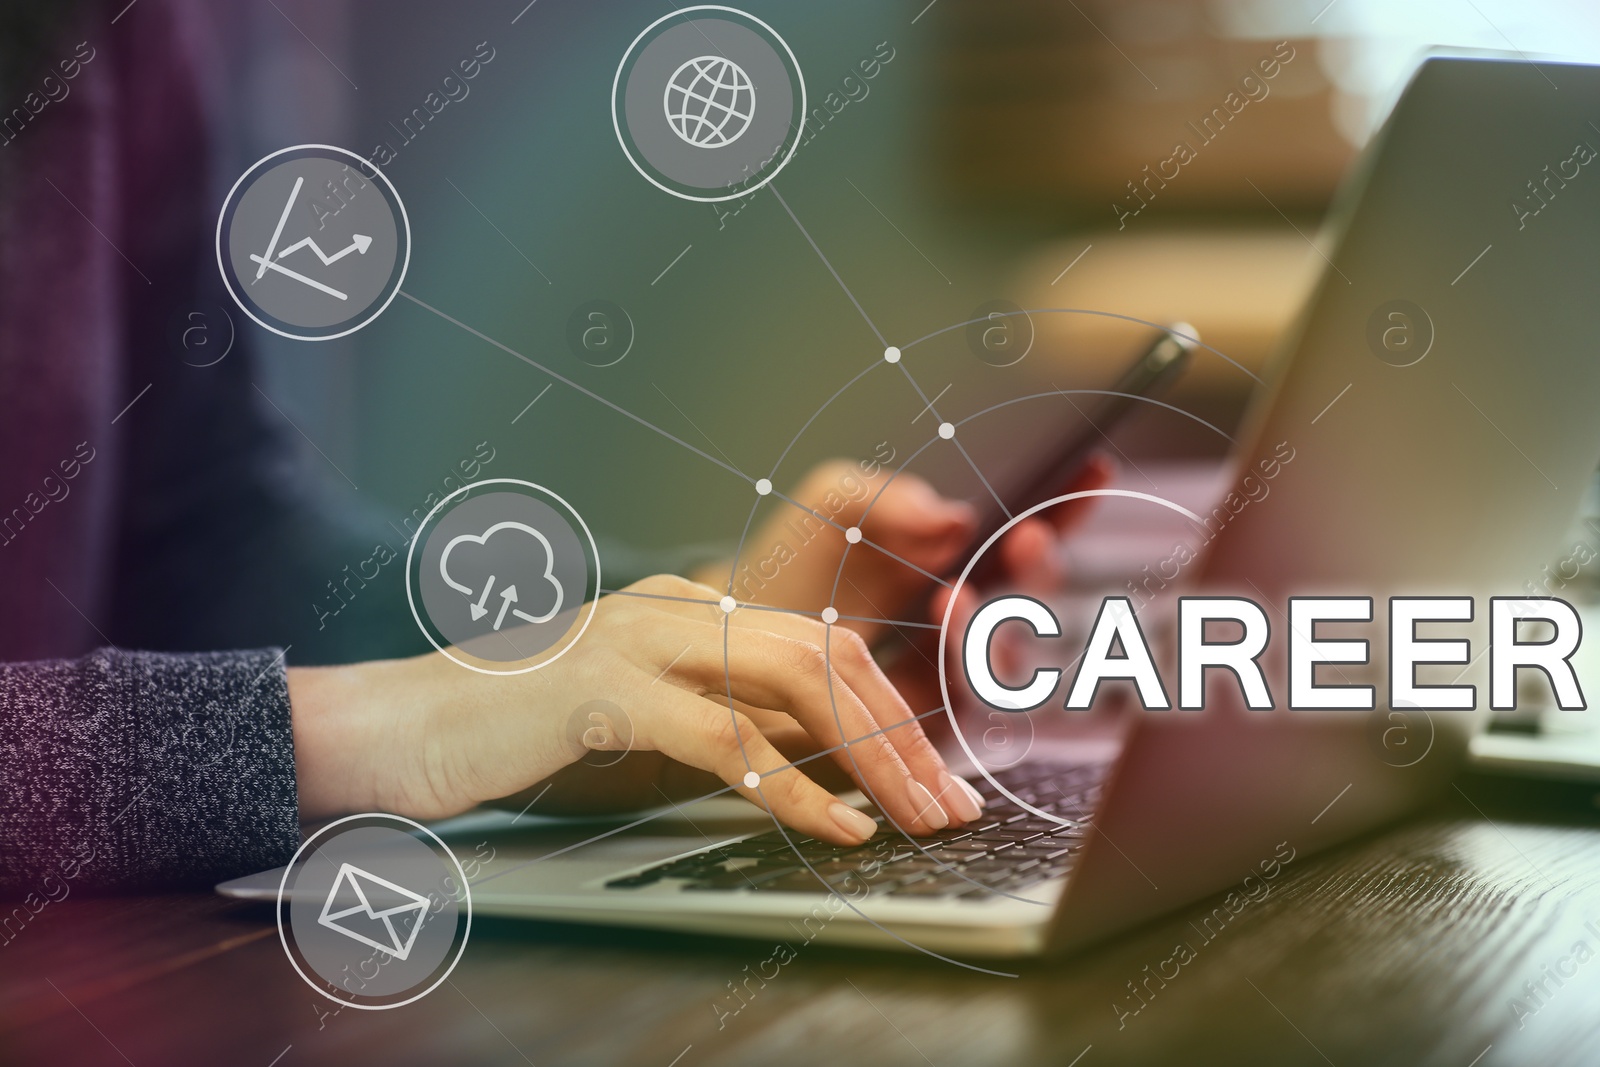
426, 738
793, 562
908, 532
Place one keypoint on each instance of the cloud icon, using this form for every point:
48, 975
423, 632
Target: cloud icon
508, 594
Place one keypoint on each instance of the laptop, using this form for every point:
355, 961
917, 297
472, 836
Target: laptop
1455, 471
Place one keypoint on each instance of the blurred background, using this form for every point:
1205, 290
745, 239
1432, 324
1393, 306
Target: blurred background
1000, 153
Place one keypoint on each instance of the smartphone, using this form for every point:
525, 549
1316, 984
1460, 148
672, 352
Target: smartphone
1049, 468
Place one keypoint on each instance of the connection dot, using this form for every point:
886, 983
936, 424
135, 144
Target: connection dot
853, 535
830, 615
947, 430
891, 354
763, 486
751, 779
728, 604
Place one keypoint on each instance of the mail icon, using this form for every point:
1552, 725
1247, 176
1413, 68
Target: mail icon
374, 911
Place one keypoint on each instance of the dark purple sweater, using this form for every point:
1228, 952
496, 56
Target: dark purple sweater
173, 526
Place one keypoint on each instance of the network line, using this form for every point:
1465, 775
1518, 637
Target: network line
767, 607
884, 341
845, 747
928, 406
832, 697
647, 424
1164, 327
827, 519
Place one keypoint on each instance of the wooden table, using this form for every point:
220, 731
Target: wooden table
1412, 946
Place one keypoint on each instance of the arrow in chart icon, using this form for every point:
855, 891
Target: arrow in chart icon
508, 597
478, 610
359, 242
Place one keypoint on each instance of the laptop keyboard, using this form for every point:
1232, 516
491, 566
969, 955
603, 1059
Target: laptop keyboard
1006, 849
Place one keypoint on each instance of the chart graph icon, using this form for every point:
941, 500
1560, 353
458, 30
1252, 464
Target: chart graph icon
358, 243
313, 242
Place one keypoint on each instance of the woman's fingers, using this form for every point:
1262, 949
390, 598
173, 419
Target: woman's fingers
825, 678
699, 732
1097, 472
910, 517
867, 703
853, 661
1028, 556
773, 671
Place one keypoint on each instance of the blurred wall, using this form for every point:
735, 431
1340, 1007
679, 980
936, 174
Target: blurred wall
984, 156
523, 206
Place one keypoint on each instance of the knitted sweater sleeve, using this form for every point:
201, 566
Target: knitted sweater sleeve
131, 770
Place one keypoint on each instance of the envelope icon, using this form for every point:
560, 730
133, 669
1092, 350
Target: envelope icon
374, 911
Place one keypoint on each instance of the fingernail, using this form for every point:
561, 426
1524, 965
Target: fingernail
927, 808
977, 797
959, 797
855, 823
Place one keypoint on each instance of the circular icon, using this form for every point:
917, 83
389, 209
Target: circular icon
600, 333
1402, 735
313, 242
507, 575
1399, 332
708, 103
374, 911
603, 730
1000, 333
204, 336
961, 729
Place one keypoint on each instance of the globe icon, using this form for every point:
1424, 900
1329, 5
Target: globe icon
709, 101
